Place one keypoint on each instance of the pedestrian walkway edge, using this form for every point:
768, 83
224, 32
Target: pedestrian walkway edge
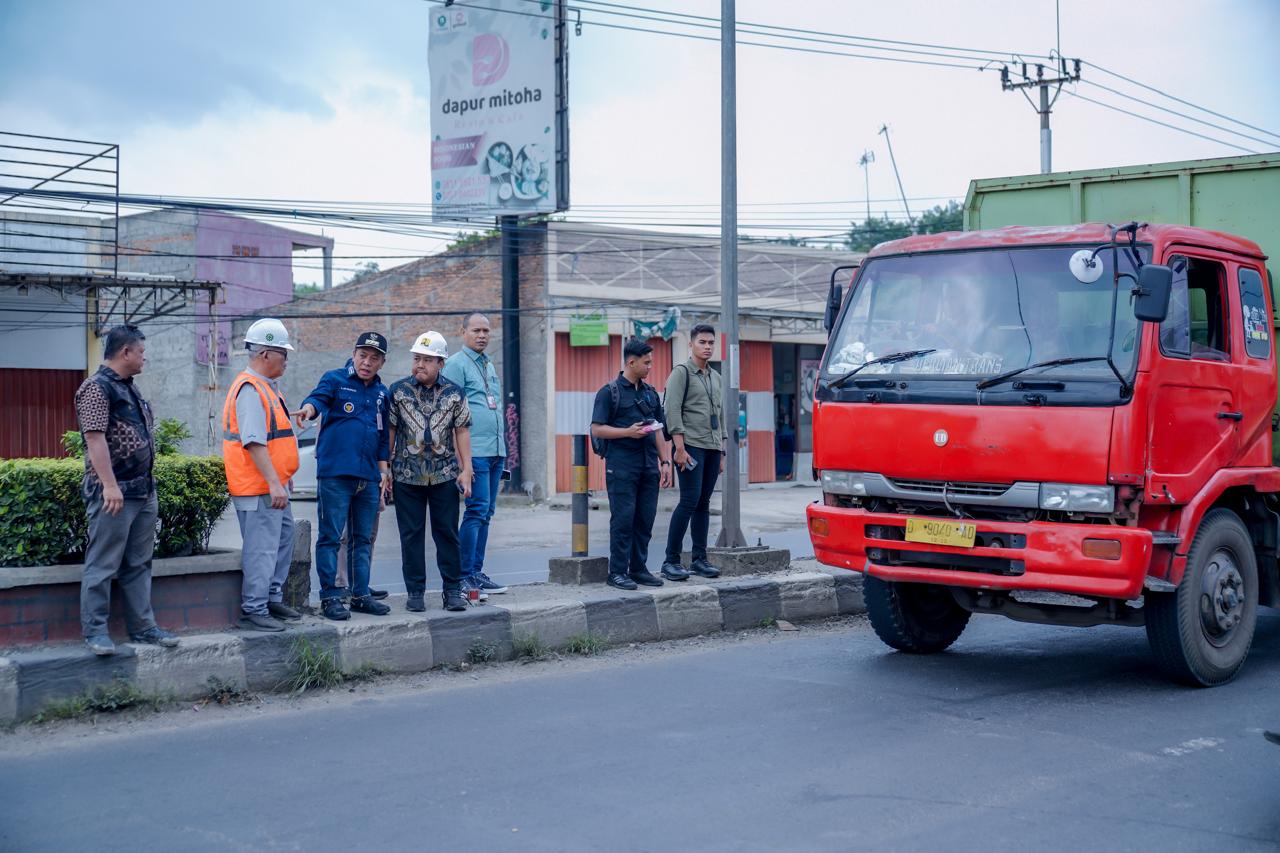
32, 680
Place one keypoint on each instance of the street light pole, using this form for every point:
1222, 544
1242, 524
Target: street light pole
868, 157
730, 529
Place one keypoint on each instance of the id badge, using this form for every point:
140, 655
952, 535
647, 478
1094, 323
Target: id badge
493, 401
715, 421
379, 421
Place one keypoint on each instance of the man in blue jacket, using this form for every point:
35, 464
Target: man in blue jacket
352, 470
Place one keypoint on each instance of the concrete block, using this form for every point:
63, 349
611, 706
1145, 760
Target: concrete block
687, 611
625, 619
269, 658
811, 595
297, 587
454, 634
849, 592
733, 562
552, 622
185, 671
62, 672
403, 645
8, 692
578, 571
748, 603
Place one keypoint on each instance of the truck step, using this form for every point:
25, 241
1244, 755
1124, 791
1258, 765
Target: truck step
1165, 537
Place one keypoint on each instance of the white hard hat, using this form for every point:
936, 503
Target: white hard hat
431, 343
268, 332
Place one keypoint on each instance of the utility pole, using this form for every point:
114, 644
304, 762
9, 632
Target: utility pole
868, 157
510, 229
884, 129
1041, 82
731, 510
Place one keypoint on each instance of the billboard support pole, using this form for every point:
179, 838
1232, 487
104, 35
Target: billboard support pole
731, 511
509, 227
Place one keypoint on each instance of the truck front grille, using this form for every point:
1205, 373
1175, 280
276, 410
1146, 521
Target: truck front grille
957, 490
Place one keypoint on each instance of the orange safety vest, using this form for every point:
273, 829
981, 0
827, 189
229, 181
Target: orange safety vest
243, 477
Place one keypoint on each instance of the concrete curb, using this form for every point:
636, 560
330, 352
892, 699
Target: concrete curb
408, 642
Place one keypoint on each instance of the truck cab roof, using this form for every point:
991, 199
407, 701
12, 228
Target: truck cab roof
1085, 233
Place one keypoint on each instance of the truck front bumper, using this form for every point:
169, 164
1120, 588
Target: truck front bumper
1008, 555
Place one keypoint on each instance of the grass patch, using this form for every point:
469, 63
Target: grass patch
366, 671
586, 644
103, 699
481, 652
225, 693
529, 647
768, 622
314, 668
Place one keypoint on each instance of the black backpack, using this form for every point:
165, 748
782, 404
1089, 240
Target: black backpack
601, 445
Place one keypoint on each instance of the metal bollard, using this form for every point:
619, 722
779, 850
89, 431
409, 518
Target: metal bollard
580, 507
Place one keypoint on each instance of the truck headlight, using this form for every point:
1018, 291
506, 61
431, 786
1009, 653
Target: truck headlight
843, 483
1068, 497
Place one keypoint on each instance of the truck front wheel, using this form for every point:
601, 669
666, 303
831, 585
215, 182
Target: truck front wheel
913, 617
1201, 633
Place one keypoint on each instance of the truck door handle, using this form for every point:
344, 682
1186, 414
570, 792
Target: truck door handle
1230, 416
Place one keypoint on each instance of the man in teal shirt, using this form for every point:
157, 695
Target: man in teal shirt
471, 369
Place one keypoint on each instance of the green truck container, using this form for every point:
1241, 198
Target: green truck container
1236, 195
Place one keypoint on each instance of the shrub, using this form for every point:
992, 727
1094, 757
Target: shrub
313, 667
42, 518
169, 435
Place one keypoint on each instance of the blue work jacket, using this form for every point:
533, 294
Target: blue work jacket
354, 429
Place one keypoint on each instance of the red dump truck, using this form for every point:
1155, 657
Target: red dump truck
1060, 423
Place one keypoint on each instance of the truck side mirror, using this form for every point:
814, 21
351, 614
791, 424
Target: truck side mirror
1151, 296
835, 296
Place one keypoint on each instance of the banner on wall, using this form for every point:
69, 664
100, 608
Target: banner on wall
499, 115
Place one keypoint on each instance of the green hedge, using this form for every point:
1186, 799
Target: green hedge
42, 516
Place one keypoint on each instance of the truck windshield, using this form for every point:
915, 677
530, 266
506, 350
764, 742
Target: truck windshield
983, 312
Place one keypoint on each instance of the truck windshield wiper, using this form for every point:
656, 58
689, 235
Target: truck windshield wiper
1001, 377
884, 359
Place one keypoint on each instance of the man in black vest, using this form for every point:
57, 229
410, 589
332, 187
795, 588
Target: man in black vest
628, 415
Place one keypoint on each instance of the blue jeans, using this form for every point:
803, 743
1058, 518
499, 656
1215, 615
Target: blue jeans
340, 498
473, 536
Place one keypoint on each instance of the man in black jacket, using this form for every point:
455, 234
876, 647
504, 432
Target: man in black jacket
628, 415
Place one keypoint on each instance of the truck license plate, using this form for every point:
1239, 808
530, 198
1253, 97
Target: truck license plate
959, 534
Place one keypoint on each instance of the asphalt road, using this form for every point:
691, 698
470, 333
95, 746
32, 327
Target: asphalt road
1022, 738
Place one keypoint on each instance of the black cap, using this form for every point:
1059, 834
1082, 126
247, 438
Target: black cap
372, 340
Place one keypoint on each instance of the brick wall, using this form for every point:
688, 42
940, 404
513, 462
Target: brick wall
50, 613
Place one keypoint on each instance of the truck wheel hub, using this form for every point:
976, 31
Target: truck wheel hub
1221, 598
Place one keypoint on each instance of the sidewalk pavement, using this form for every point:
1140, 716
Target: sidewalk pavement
405, 642
523, 538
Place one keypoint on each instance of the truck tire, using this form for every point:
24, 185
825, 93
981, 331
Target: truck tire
1201, 633
913, 617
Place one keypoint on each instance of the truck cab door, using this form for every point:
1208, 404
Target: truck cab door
1196, 404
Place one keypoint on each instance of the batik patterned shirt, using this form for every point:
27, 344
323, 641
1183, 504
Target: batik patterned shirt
424, 420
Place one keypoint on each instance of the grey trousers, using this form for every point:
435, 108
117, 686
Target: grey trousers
120, 547
266, 555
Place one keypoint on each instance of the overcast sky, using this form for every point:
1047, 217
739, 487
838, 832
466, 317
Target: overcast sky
329, 100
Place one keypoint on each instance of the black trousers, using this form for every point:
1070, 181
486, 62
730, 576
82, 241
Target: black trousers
412, 504
633, 504
694, 509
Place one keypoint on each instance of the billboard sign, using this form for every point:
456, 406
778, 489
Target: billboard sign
498, 127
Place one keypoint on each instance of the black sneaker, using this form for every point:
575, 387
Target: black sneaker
366, 604
280, 610
414, 603
645, 578
472, 582
259, 622
333, 608
100, 645
621, 582
488, 584
453, 600
156, 637
378, 593
674, 572
702, 567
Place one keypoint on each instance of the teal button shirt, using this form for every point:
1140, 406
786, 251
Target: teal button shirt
478, 378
